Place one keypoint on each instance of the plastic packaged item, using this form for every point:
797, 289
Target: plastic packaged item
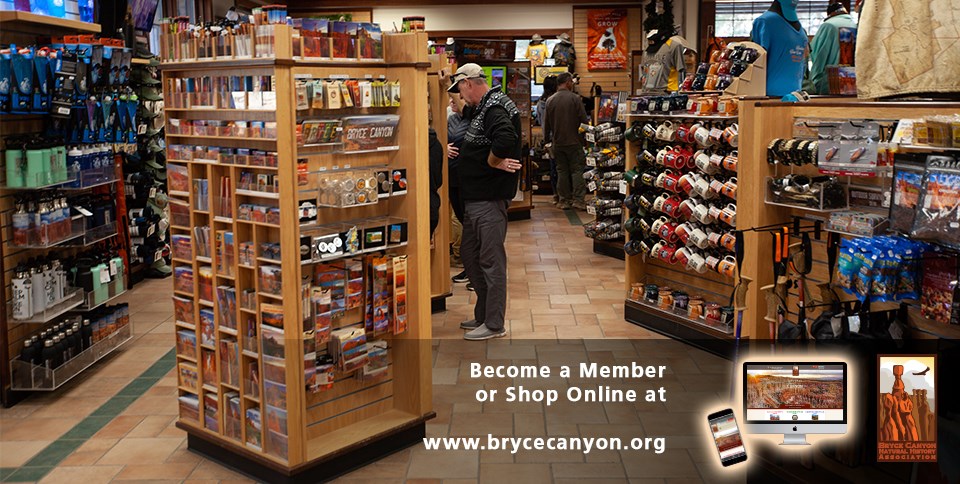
938, 217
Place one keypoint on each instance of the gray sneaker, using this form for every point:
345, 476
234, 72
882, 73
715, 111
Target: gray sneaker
470, 324
483, 333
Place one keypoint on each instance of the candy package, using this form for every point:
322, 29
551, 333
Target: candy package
907, 185
938, 217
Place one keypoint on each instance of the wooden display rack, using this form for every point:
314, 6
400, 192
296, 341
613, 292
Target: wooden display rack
714, 287
23, 28
440, 250
355, 422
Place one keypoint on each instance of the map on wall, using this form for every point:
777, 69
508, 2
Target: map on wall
908, 46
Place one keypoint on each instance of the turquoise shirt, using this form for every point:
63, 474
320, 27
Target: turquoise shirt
785, 47
825, 50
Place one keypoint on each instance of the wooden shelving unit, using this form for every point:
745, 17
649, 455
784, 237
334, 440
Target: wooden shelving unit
440, 282
354, 421
27, 22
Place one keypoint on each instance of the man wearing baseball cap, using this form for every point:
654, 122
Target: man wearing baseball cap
489, 161
825, 47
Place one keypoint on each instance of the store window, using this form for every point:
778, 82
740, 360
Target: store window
734, 18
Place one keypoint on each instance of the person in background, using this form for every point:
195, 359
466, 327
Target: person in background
489, 162
436, 175
457, 124
561, 131
549, 89
825, 47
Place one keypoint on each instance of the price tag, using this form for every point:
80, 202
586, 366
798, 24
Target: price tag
590, 138
83, 211
591, 210
716, 133
623, 187
153, 192
142, 129
104, 277
591, 161
113, 267
157, 255
63, 111
592, 186
616, 211
151, 230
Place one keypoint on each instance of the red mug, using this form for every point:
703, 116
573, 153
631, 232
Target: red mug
687, 182
668, 232
685, 134
673, 159
671, 206
683, 232
671, 182
682, 256
666, 253
686, 208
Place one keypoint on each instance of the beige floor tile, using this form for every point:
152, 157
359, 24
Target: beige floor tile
90, 452
155, 471
119, 427
211, 470
444, 464
15, 454
30, 428
526, 473
81, 474
140, 451
152, 426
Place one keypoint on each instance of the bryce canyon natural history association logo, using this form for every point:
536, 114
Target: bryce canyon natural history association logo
907, 426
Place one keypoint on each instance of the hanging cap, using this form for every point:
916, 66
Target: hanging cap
537, 38
835, 7
466, 71
564, 37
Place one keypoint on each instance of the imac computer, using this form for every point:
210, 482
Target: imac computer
795, 399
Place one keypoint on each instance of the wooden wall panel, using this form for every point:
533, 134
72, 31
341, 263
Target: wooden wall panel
608, 80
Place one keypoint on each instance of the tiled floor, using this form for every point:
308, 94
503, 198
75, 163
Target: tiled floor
116, 422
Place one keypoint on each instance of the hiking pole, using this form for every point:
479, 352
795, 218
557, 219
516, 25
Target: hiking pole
740, 305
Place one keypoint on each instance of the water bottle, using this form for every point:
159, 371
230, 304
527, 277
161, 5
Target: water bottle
49, 355
86, 334
35, 171
60, 345
39, 297
22, 294
16, 160
49, 286
74, 155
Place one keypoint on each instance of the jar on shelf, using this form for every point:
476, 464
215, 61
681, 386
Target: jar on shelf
665, 299
711, 312
651, 293
695, 307
636, 291
680, 301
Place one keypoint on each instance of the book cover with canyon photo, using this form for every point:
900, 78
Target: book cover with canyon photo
907, 409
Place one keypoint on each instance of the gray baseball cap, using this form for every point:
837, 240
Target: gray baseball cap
466, 71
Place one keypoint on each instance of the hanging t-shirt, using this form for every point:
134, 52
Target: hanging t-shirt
564, 54
662, 68
785, 47
537, 53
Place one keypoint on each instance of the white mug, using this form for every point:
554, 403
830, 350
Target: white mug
657, 225
702, 189
696, 262
699, 238
702, 161
663, 153
666, 131
702, 214
702, 135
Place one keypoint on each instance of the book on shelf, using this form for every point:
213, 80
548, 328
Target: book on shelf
227, 302
201, 193
348, 348
399, 294
189, 407
232, 418
211, 411
208, 330
276, 431
202, 236
230, 361
272, 343
250, 338
369, 41
183, 310
183, 279
182, 246
275, 394
187, 343
225, 253
178, 178
208, 366
272, 315
377, 362
225, 199
253, 428
205, 283
188, 376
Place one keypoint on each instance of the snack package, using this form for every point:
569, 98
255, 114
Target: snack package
939, 283
847, 267
938, 217
907, 185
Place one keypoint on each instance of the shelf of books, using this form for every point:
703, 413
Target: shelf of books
328, 365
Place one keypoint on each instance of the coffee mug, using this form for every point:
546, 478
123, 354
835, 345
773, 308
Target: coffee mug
716, 185
655, 248
663, 176
724, 67
686, 183
666, 131
712, 261
683, 133
648, 131
715, 212
647, 156
702, 136
682, 256
729, 215
715, 56
673, 160
662, 154
699, 238
732, 135
701, 213
668, 232
633, 133
683, 232
702, 162
671, 206
727, 266
686, 208
707, 104
729, 241
645, 247
696, 262
714, 238
729, 188
716, 160
658, 224
646, 201
711, 82
666, 253
728, 105
730, 162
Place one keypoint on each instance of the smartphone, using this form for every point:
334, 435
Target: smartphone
726, 435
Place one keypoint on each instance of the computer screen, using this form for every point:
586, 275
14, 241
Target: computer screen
795, 392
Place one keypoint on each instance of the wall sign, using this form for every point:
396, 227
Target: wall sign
607, 41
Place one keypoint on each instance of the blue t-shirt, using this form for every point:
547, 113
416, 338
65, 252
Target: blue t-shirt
785, 52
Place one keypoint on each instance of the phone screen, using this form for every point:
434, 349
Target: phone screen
726, 435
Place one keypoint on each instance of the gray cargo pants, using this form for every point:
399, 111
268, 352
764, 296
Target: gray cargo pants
485, 258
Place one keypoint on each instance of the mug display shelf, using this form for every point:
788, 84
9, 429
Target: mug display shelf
29, 377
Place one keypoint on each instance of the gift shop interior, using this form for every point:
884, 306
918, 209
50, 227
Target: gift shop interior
714, 175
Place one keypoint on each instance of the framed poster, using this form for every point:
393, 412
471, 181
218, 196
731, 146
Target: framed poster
542, 72
607, 43
496, 76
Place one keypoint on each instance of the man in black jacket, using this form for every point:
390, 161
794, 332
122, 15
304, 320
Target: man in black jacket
489, 160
